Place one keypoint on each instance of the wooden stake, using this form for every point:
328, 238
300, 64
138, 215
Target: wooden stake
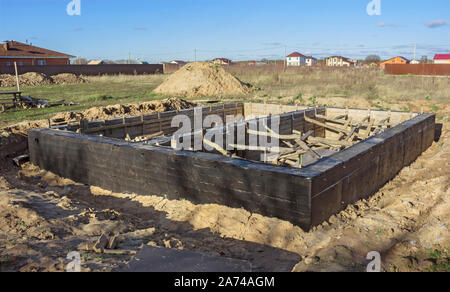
17, 77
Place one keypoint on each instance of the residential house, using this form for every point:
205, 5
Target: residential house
339, 61
222, 61
311, 61
29, 55
442, 59
395, 60
295, 59
96, 62
414, 62
178, 62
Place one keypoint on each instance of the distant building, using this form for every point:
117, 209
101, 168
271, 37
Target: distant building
311, 61
339, 61
29, 55
414, 62
295, 59
442, 59
178, 62
395, 60
96, 62
222, 61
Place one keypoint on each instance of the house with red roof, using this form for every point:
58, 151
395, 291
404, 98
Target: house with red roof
395, 60
29, 55
295, 59
442, 59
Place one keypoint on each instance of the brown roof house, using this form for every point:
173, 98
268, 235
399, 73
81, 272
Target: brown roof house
29, 55
339, 61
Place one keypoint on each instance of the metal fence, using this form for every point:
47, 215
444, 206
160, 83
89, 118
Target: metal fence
110, 69
418, 69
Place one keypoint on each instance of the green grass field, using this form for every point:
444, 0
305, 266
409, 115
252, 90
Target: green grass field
99, 91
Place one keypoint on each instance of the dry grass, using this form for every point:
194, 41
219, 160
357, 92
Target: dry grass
370, 84
313, 86
153, 79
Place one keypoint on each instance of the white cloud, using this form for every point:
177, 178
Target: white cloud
436, 23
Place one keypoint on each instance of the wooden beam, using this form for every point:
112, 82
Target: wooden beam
272, 134
329, 141
333, 128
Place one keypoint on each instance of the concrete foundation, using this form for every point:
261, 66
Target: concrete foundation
100, 156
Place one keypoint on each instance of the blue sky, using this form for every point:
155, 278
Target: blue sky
163, 30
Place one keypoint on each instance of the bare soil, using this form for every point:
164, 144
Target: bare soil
39, 79
202, 79
27, 79
44, 216
67, 78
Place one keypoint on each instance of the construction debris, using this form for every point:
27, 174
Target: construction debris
304, 148
19, 160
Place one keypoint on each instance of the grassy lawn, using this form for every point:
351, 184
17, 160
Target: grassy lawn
99, 91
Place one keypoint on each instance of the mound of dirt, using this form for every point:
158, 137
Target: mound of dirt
202, 79
112, 111
67, 78
27, 79
39, 79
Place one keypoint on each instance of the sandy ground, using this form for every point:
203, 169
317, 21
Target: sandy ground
43, 217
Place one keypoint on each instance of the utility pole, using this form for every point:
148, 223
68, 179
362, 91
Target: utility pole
285, 56
195, 55
415, 47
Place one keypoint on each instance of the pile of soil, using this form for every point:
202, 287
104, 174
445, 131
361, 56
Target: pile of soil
39, 79
27, 79
202, 79
67, 78
118, 110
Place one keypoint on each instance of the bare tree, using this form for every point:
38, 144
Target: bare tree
80, 61
373, 58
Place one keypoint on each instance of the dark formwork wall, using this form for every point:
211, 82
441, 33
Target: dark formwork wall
359, 171
305, 197
196, 176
